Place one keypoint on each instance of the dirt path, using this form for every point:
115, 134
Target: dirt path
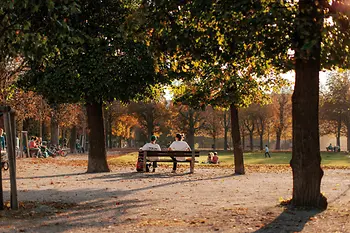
61, 198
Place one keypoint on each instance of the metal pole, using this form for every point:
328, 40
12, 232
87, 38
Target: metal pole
9, 120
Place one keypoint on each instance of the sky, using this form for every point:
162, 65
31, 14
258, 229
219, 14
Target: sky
290, 76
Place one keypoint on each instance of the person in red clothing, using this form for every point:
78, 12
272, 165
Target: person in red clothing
33, 147
215, 158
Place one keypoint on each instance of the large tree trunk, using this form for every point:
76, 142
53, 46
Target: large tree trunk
54, 129
236, 141
278, 140
72, 139
306, 159
97, 145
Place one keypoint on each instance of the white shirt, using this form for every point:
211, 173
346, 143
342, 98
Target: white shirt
151, 147
180, 146
266, 149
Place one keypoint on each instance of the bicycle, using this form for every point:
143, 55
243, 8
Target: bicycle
57, 151
4, 162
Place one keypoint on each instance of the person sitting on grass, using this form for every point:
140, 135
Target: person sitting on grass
152, 146
210, 155
215, 158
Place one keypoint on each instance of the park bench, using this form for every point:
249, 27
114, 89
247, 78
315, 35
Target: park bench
165, 157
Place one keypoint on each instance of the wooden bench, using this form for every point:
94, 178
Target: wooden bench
165, 157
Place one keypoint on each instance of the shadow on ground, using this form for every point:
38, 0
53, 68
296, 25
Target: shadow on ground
290, 220
64, 214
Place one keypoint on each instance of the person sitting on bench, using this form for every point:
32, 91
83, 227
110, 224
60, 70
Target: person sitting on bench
178, 145
152, 146
330, 147
33, 147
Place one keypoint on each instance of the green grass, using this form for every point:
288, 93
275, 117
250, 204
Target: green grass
330, 159
226, 158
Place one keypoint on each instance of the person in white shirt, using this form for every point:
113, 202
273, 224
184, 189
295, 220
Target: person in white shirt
267, 151
152, 146
178, 145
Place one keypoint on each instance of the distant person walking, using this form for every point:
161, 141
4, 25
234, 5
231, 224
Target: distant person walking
267, 153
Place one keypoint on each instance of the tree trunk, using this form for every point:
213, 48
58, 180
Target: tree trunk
214, 142
306, 159
97, 146
251, 139
236, 141
278, 140
225, 132
348, 136
225, 141
338, 132
72, 139
191, 130
261, 140
54, 130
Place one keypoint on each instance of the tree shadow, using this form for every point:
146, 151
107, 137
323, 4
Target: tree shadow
48, 176
290, 220
42, 212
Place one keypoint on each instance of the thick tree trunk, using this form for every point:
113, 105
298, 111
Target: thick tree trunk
72, 139
236, 141
278, 140
97, 146
54, 130
306, 159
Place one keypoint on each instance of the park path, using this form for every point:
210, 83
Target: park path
58, 198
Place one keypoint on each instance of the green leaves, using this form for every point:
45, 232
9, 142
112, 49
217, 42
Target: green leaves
98, 61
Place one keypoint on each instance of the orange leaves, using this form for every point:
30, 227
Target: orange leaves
122, 125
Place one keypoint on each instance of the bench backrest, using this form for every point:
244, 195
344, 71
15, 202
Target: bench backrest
170, 153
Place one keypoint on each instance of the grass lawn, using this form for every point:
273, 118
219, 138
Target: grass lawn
226, 158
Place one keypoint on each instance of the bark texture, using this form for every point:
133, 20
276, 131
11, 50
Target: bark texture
236, 141
306, 159
97, 145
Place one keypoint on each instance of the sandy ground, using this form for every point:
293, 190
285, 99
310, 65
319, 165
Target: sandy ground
62, 198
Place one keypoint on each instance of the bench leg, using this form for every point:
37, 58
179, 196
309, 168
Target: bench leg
192, 166
144, 161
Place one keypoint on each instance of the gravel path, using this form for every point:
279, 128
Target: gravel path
57, 198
